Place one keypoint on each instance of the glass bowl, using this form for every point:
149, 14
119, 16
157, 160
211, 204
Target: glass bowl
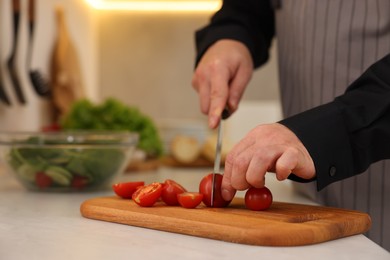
66, 161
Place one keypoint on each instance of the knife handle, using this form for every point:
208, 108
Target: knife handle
225, 113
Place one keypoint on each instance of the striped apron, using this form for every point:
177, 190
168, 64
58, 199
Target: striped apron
322, 47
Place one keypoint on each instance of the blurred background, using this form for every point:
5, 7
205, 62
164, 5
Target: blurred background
144, 58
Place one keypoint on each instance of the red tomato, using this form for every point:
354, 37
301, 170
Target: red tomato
126, 189
147, 195
79, 182
170, 191
42, 180
189, 200
258, 198
51, 128
205, 189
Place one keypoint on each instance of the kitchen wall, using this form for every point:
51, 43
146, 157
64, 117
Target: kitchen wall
147, 59
81, 24
144, 59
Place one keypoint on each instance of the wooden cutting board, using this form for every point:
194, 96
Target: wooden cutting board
66, 74
283, 224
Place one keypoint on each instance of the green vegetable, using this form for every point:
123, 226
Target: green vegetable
27, 172
63, 165
59, 175
114, 115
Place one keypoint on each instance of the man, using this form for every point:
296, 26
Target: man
334, 68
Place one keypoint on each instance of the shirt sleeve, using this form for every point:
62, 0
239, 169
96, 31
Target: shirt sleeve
250, 22
348, 134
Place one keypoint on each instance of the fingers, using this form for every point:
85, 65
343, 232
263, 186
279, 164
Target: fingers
238, 85
221, 78
286, 164
297, 161
211, 83
219, 92
258, 166
200, 82
235, 177
248, 168
241, 173
266, 148
226, 91
227, 189
229, 185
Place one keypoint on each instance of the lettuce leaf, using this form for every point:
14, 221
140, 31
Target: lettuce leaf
114, 115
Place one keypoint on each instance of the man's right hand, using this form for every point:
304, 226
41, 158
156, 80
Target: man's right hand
221, 78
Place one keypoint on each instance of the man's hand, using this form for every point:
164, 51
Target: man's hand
266, 148
221, 78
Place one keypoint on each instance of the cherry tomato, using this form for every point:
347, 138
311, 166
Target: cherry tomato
205, 189
189, 200
51, 128
42, 180
147, 195
170, 191
79, 182
258, 198
126, 189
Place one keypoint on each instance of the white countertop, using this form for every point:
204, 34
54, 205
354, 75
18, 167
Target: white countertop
37, 225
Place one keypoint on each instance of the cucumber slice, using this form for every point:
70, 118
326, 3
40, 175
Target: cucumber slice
59, 175
27, 172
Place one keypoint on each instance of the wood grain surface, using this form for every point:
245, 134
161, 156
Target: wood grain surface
283, 224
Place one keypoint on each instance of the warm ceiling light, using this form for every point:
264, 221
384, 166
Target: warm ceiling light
157, 5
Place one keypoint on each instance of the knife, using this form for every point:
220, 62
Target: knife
217, 161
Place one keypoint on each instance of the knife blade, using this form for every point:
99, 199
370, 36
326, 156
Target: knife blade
217, 161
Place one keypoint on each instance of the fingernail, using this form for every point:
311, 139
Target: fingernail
226, 194
212, 122
233, 105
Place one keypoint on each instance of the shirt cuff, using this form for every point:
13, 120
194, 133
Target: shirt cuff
324, 134
209, 35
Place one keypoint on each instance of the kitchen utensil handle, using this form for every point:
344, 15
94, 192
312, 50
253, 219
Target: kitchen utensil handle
225, 113
14, 76
31, 21
3, 95
16, 19
31, 16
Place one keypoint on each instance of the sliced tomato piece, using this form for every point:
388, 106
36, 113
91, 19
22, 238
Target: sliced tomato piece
190, 200
170, 191
126, 189
42, 180
147, 195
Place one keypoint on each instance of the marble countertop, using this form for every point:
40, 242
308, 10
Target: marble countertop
39, 225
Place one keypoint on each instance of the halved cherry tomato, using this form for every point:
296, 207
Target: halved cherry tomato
205, 189
258, 198
189, 200
126, 189
170, 191
147, 195
42, 180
